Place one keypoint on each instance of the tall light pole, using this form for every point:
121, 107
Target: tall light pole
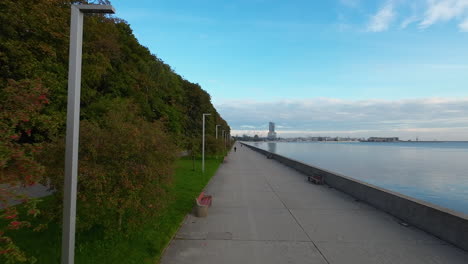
73, 125
217, 131
203, 143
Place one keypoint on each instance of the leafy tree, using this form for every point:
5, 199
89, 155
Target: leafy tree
20, 119
128, 94
214, 146
124, 166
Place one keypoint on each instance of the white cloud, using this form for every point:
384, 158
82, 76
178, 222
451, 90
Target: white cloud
407, 21
382, 20
430, 133
337, 117
424, 13
464, 25
443, 10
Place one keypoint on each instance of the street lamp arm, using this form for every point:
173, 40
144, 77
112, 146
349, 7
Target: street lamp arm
99, 9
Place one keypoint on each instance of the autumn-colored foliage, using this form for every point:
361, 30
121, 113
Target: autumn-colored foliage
19, 117
137, 113
125, 164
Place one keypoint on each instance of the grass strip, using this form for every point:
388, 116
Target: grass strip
143, 246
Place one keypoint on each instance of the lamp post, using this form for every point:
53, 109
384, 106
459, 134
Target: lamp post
203, 143
73, 124
217, 131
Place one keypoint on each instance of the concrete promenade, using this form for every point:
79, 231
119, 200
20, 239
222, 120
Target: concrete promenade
265, 212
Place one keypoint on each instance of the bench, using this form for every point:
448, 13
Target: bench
317, 179
203, 202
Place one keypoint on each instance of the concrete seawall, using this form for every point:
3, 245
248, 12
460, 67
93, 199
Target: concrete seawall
443, 223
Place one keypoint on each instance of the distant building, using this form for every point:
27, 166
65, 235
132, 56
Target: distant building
271, 132
383, 139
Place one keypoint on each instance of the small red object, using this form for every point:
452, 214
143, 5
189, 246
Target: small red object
204, 199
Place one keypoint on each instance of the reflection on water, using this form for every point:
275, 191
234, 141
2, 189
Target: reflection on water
435, 172
272, 147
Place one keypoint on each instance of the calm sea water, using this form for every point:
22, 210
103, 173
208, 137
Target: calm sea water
436, 172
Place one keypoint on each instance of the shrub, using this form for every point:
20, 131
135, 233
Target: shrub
124, 164
214, 146
20, 120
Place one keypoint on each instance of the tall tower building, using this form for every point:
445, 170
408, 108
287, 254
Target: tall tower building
272, 133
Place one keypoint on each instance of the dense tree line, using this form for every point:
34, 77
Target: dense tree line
34, 47
137, 113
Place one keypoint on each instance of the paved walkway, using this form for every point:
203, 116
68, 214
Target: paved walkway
265, 212
35, 191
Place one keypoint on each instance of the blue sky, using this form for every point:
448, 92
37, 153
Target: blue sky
279, 60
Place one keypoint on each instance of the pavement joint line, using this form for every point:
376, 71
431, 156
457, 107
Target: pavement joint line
251, 207
279, 240
173, 237
326, 209
383, 242
245, 240
295, 219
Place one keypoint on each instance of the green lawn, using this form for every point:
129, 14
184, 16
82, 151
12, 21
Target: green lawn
144, 246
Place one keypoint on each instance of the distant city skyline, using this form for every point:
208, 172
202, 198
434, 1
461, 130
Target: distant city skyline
342, 135
428, 119
272, 135
405, 60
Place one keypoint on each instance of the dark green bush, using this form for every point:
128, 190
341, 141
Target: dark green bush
125, 165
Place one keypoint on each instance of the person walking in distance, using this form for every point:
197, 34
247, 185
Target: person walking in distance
235, 148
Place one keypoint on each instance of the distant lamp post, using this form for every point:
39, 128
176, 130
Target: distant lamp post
73, 124
203, 143
217, 131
